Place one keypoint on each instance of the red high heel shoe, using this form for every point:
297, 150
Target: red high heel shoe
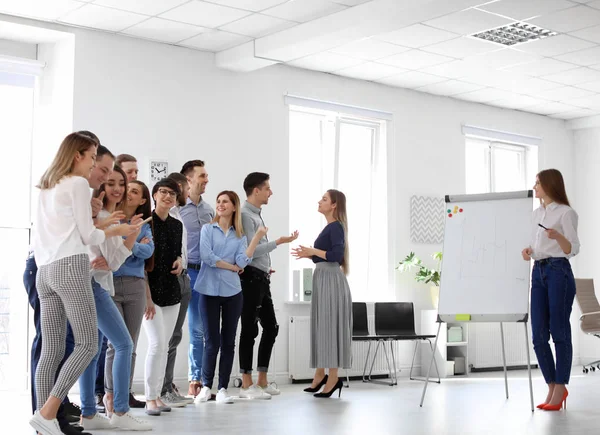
559, 405
541, 405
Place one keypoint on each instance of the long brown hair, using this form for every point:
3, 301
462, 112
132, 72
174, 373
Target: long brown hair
554, 185
64, 161
339, 212
121, 205
146, 208
146, 211
236, 219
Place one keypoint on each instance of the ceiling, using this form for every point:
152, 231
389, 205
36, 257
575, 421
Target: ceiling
423, 45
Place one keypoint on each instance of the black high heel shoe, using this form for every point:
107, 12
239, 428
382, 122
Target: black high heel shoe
318, 387
339, 385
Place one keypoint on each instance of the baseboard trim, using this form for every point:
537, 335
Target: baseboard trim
352, 378
500, 368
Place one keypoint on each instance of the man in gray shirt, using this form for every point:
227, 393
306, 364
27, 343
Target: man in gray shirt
258, 303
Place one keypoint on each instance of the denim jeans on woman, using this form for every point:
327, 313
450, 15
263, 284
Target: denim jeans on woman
220, 317
552, 294
111, 325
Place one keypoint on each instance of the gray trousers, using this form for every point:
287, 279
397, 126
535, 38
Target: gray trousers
130, 299
65, 292
186, 295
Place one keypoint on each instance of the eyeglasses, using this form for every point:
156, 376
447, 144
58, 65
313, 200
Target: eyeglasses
165, 192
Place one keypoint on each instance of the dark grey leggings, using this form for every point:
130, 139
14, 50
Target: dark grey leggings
130, 299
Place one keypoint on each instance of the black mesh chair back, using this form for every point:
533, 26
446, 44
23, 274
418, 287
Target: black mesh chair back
394, 318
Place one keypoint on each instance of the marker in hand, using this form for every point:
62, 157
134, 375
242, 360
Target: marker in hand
543, 227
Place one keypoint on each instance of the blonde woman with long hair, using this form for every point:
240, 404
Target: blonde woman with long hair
62, 231
331, 303
225, 253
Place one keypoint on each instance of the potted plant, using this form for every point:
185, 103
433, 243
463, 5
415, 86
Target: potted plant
424, 274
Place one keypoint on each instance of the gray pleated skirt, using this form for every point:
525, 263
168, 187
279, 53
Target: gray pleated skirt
330, 318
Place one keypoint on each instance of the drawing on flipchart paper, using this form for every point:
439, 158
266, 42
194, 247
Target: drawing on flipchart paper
484, 256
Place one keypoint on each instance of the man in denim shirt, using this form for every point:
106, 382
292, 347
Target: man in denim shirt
195, 214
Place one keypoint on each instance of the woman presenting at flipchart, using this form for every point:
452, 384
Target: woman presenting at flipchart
553, 241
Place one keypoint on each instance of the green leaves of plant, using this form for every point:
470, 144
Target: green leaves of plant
424, 274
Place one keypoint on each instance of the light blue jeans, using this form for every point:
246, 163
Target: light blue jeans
196, 330
112, 325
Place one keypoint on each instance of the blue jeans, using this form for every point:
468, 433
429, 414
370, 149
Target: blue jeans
112, 325
219, 335
196, 331
36, 347
552, 294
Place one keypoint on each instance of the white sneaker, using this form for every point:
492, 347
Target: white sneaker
43, 426
171, 400
129, 422
271, 389
223, 396
254, 392
204, 395
97, 422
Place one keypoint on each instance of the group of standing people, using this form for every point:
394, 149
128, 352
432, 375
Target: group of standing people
104, 265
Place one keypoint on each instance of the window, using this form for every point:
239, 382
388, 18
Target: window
16, 112
335, 150
498, 166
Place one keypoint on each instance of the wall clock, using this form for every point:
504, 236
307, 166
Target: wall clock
159, 169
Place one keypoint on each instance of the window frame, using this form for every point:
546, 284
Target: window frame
378, 129
520, 149
491, 145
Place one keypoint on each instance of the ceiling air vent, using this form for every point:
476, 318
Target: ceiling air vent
515, 33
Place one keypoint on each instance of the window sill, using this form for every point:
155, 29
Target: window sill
297, 303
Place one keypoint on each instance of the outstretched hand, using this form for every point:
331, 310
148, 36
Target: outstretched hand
288, 239
114, 218
303, 252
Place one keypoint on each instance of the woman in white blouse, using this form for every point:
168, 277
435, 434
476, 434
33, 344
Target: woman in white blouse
62, 231
553, 241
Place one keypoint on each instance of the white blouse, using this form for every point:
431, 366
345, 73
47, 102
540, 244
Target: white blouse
114, 252
561, 218
63, 224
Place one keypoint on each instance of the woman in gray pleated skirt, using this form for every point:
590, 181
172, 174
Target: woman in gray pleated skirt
331, 306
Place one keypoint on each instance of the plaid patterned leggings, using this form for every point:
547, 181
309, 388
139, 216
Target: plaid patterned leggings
65, 292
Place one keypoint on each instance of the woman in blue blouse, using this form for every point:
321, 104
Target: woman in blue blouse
224, 252
331, 304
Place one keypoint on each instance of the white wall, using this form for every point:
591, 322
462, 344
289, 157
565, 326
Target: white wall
153, 100
160, 101
587, 162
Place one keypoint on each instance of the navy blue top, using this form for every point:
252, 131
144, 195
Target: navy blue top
331, 240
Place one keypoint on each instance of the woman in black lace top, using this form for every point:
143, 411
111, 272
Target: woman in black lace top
165, 292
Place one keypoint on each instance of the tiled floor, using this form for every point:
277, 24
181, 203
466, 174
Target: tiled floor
462, 406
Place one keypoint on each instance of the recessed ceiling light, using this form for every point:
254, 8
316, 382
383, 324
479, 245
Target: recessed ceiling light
515, 33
